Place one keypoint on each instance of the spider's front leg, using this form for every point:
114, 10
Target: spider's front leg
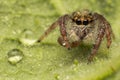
52, 27
97, 44
61, 22
104, 28
72, 45
63, 40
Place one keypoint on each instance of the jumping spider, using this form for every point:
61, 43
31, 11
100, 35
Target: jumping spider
78, 26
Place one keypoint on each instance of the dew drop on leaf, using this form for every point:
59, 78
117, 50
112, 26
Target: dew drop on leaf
27, 37
15, 56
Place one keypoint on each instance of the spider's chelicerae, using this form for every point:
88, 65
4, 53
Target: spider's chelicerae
78, 26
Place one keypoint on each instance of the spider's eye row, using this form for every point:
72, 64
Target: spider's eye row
78, 22
86, 22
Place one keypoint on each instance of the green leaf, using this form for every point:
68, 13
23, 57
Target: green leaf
23, 21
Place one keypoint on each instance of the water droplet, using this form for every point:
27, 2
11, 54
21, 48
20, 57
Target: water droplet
27, 37
15, 56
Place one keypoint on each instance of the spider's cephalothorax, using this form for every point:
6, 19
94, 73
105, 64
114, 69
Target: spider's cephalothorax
78, 26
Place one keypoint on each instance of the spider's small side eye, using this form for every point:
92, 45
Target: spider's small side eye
86, 22
78, 22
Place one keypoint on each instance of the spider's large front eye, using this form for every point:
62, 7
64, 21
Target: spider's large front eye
86, 22
78, 22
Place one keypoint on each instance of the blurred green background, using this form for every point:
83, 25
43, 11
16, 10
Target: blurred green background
23, 21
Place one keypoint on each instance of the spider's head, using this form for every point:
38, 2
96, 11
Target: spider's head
83, 17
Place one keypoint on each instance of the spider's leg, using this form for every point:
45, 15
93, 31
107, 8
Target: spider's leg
62, 23
97, 44
52, 27
73, 44
61, 41
109, 34
108, 30
103, 28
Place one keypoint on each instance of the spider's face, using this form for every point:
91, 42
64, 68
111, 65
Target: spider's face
82, 17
